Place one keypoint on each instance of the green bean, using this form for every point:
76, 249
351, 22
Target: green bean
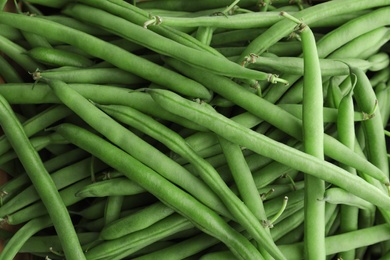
379, 60
112, 209
38, 123
38, 143
13, 186
190, 7
93, 76
8, 72
355, 49
42, 181
330, 114
115, 55
200, 215
340, 196
165, 46
38, 209
54, 3
313, 141
138, 148
347, 241
55, 57
136, 221
294, 65
272, 114
381, 76
205, 170
383, 94
22, 235
113, 187
15, 52
309, 15
61, 178
269, 148
42, 243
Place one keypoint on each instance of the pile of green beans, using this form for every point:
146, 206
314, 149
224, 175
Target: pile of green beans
175, 129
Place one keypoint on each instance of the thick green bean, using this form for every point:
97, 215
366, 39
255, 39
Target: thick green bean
269, 148
274, 115
239, 211
165, 46
309, 15
41, 180
203, 218
137, 147
113, 209
106, 51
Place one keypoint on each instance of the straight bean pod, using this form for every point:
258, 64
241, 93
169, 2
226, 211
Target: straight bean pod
41, 180
270, 148
202, 217
106, 51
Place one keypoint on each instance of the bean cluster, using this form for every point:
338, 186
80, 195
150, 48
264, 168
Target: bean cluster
178, 129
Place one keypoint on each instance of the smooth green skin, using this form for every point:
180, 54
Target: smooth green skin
114, 187
61, 178
135, 146
270, 148
346, 135
138, 16
23, 234
16, 53
106, 51
243, 178
200, 215
275, 116
210, 176
136, 221
13, 186
42, 244
38, 209
348, 241
162, 45
113, 209
294, 65
8, 72
187, 6
309, 15
330, 114
94, 76
57, 58
42, 94
41, 180
38, 123
313, 142
163, 228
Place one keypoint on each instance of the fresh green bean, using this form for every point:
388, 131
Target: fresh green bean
269, 148
136, 221
272, 114
41, 180
203, 218
38, 209
56, 57
239, 211
165, 46
113, 187
23, 234
137, 147
113, 209
190, 7
309, 15
93, 76
313, 141
8, 72
106, 51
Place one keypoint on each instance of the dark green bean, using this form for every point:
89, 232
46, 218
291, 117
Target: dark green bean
113, 187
